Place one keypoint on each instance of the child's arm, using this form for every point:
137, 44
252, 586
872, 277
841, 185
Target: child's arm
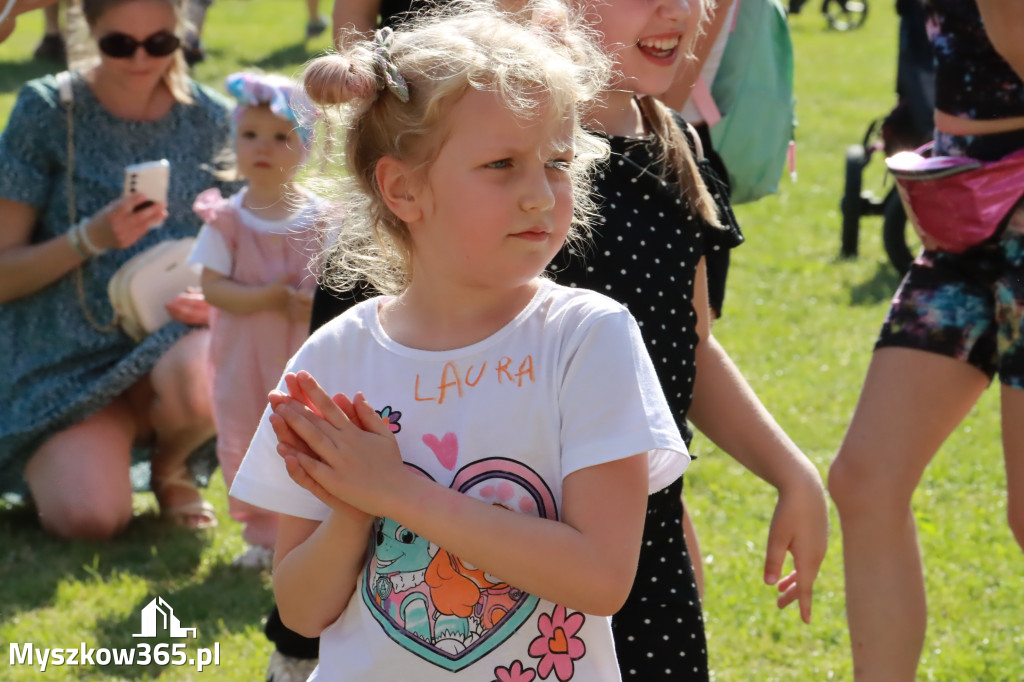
242, 299
586, 561
727, 411
316, 564
316, 568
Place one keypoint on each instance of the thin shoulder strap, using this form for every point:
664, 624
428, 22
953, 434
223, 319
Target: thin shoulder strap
67, 98
698, 147
67, 95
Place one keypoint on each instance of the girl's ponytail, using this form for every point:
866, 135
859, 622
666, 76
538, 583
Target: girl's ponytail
679, 159
337, 79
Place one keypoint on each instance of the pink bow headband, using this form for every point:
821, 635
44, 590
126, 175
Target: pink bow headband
286, 99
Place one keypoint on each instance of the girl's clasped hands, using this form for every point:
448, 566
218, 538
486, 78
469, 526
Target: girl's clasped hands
337, 448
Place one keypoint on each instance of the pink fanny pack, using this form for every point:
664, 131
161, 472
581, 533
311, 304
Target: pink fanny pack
957, 202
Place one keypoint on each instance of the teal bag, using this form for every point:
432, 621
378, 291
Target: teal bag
753, 89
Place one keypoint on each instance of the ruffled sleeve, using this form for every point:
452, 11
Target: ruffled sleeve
209, 204
730, 236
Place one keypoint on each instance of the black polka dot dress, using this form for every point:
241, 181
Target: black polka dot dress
645, 251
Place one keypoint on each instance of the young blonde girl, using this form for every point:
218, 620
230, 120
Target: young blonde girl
255, 248
516, 426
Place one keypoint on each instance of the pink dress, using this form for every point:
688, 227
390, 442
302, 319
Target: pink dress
249, 352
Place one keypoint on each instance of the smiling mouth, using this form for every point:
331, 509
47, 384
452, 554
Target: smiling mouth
384, 563
659, 47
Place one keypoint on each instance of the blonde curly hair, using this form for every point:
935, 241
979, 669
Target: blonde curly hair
536, 55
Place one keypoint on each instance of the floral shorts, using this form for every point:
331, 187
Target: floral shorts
968, 306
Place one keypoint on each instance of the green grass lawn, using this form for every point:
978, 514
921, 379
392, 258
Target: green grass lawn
799, 322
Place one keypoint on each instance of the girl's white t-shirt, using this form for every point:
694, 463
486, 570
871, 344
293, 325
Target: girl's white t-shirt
566, 385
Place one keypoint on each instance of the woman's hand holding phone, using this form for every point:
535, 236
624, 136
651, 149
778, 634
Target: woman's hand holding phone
120, 223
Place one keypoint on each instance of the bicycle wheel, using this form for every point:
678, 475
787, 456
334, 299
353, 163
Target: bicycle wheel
851, 206
845, 15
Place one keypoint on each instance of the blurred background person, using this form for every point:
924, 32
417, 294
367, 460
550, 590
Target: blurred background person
78, 394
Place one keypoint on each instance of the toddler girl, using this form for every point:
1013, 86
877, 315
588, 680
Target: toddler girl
483, 518
255, 249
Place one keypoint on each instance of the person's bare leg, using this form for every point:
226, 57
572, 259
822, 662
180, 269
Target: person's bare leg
51, 19
180, 412
910, 403
315, 24
360, 15
1013, 453
195, 18
52, 46
693, 548
79, 478
195, 14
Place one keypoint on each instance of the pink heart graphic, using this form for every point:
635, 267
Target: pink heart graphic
446, 449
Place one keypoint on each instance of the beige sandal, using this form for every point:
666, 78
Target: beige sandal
199, 514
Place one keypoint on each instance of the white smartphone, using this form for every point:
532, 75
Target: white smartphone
149, 179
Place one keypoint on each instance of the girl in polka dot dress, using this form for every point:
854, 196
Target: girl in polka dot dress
657, 220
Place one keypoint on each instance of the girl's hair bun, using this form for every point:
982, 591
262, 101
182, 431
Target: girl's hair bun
336, 79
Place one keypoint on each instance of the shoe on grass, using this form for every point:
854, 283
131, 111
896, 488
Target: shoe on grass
195, 512
52, 49
316, 26
255, 557
194, 53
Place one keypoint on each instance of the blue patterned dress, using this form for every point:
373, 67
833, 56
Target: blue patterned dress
56, 368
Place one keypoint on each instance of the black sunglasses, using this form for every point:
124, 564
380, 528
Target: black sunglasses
122, 45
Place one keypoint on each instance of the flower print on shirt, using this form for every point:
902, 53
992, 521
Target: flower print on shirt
514, 673
558, 647
390, 417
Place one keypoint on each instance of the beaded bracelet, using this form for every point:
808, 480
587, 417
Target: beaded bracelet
83, 235
76, 243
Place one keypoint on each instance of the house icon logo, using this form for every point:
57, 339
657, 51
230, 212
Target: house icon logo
158, 615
